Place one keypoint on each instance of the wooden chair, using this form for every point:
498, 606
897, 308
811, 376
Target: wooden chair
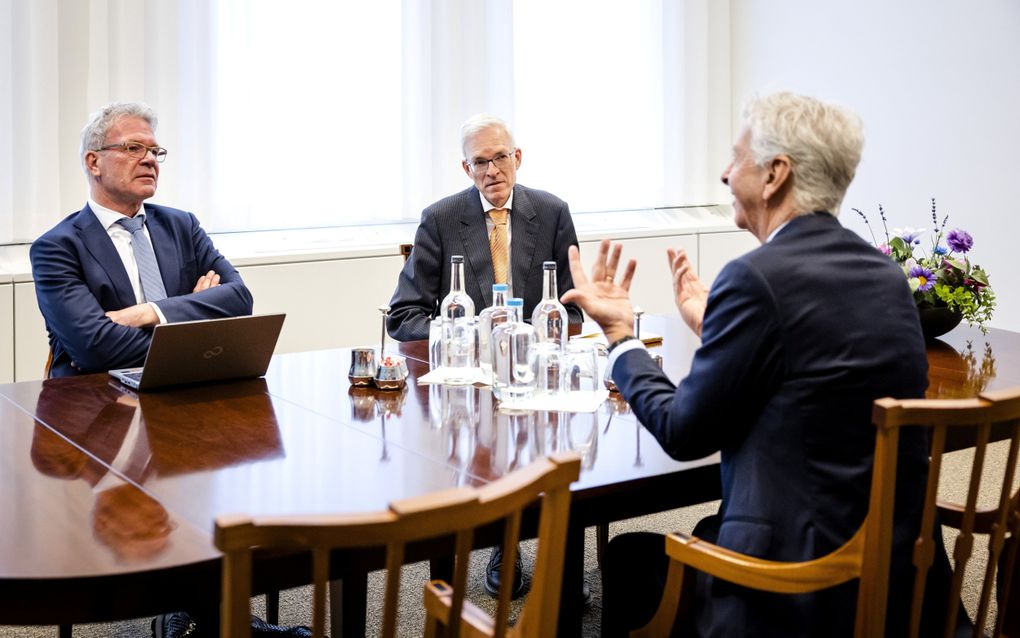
866, 555
452, 512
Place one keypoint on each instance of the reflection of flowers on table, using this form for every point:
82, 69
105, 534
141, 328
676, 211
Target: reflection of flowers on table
962, 374
979, 372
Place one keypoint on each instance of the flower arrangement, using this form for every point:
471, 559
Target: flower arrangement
942, 276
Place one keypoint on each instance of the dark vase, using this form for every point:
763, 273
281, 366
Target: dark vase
936, 322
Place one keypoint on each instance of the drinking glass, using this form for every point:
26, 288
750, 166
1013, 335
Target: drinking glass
460, 354
580, 367
435, 343
548, 359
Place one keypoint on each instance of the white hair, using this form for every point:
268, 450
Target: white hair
823, 142
93, 136
478, 123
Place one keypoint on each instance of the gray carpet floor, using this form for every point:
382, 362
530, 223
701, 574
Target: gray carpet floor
295, 610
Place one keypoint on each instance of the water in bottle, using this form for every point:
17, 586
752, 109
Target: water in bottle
513, 370
458, 312
488, 319
550, 317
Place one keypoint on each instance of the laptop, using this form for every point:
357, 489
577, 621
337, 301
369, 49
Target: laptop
208, 350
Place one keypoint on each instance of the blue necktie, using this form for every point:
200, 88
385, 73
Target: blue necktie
148, 271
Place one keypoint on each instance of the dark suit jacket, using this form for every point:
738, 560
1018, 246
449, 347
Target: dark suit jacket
541, 229
800, 336
79, 277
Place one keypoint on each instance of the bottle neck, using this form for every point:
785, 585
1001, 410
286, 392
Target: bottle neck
457, 278
549, 285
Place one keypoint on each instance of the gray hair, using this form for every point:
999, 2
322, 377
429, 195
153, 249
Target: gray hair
823, 141
482, 121
93, 136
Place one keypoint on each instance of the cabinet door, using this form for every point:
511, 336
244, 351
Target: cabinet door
652, 287
6, 333
32, 346
717, 249
329, 304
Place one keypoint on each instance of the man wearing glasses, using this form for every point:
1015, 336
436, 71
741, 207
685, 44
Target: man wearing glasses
532, 226
107, 274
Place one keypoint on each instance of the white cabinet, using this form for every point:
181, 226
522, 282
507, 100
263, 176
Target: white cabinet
329, 304
32, 344
6, 333
716, 249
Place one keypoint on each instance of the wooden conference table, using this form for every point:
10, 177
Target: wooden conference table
108, 497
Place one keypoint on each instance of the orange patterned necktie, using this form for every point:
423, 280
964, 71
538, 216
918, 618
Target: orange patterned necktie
498, 245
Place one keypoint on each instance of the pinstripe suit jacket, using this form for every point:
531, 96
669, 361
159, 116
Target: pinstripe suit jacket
541, 230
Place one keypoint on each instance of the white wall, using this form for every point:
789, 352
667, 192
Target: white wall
936, 83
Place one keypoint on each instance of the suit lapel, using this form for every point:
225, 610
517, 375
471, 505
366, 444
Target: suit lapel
475, 238
97, 242
165, 248
523, 239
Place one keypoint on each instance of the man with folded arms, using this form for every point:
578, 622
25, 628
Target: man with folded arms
105, 275
798, 338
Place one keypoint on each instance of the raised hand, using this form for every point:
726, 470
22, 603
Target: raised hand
605, 300
690, 294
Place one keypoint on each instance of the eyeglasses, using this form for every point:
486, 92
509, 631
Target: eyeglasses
502, 162
137, 150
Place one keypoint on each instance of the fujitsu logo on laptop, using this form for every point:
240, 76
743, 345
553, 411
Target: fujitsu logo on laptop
213, 352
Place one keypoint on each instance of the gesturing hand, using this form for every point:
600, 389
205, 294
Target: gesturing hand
605, 300
691, 295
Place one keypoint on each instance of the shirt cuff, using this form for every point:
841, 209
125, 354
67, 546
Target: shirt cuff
159, 313
626, 346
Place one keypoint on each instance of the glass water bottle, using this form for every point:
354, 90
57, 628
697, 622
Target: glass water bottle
458, 312
488, 319
513, 373
550, 317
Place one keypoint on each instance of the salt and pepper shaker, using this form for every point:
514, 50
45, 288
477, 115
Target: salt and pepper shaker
392, 371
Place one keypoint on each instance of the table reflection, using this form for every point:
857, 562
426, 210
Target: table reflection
118, 441
124, 518
960, 372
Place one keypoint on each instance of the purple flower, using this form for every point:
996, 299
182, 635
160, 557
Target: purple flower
959, 240
925, 278
884, 248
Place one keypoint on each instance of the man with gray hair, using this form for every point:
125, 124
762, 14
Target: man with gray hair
105, 275
798, 338
534, 226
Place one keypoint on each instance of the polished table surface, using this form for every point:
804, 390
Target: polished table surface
109, 496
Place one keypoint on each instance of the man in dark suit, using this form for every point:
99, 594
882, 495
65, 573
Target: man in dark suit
99, 296
799, 337
539, 229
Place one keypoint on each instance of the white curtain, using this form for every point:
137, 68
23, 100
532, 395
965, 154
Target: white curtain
314, 113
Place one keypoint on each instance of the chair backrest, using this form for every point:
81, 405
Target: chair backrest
866, 556
993, 415
458, 512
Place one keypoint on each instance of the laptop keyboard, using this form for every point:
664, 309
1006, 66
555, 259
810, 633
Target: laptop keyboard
134, 376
